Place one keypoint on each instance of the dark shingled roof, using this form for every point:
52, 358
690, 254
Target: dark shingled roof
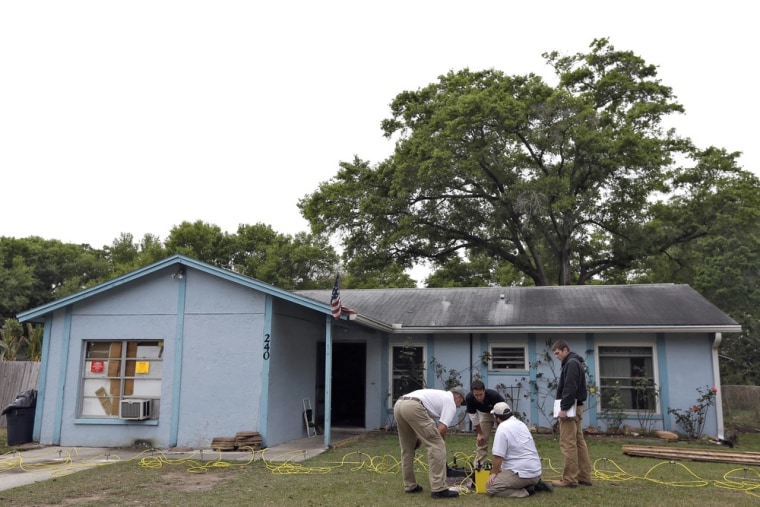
653, 307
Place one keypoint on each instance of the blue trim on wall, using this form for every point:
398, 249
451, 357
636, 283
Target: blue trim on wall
663, 371
264, 380
65, 343
179, 339
429, 360
591, 363
328, 378
482, 349
385, 384
42, 378
532, 379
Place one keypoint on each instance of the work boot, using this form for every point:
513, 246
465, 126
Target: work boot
446, 493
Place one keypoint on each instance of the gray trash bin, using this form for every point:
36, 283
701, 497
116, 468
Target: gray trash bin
20, 418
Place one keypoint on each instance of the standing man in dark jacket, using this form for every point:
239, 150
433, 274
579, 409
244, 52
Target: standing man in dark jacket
572, 390
480, 403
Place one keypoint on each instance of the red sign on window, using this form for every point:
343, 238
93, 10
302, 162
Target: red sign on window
97, 366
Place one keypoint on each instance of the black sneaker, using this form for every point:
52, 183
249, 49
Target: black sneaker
531, 490
542, 486
446, 493
585, 483
416, 489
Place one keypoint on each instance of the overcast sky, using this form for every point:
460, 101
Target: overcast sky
134, 116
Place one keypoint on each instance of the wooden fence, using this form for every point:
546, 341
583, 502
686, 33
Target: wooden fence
741, 403
16, 377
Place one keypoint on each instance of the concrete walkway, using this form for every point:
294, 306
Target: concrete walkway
33, 463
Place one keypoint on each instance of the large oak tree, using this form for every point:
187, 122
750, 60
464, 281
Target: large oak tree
561, 182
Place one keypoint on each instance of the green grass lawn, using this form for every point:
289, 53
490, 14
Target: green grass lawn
366, 473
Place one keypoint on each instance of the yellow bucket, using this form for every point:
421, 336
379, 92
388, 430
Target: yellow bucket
481, 477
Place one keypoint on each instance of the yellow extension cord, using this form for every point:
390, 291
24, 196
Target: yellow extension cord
745, 479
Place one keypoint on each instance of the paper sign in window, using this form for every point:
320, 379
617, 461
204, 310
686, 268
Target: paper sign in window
142, 367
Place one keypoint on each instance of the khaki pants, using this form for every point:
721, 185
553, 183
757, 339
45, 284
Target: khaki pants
487, 422
414, 422
574, 451
509, 484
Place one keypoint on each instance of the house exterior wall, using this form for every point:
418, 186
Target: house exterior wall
218, 378
683, 362
221, 377
217, 383
53, 365
213, 389
689, 367
110, 317
292, 370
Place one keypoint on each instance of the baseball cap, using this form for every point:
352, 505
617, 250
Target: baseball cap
501, 408
459, 390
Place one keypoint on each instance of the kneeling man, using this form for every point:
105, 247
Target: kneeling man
516, 469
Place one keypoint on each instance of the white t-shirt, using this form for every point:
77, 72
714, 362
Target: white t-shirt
514, 443
439, 404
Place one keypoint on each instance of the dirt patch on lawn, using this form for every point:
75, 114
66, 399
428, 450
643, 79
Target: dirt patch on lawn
190, 482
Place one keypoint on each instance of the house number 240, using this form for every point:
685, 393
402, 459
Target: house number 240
266, 347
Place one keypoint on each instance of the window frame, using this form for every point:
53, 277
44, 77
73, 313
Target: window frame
653, 376
392, 396
116, 370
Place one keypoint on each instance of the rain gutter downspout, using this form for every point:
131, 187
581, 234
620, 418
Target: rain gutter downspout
716, 383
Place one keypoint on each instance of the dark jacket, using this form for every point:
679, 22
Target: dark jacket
491, 398
572, 382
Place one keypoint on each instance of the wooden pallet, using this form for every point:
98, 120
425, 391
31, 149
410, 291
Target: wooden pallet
252, 439
679, 453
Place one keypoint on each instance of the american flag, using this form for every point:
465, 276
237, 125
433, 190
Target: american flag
335, 299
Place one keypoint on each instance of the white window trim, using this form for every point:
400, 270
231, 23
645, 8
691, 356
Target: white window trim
656, 373
84, 378
391, 346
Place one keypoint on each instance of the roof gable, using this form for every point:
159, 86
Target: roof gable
180, 261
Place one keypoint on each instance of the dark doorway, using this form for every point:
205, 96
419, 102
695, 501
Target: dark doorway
349, 376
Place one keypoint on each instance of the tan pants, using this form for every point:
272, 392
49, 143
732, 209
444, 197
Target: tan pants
487, 422
574, 451
414, 422
509, 484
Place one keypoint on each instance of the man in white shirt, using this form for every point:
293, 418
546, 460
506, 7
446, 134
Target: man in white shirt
416, 414
516, 468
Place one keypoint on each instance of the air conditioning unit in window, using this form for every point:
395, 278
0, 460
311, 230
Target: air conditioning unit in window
135, 409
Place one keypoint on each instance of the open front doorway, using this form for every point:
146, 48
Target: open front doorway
349, 377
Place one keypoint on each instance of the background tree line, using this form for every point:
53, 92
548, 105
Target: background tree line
495, 179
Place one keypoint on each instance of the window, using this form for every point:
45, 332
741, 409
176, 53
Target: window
629, 372
119, 370
407, 369
504, 357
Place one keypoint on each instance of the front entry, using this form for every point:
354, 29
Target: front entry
349, 377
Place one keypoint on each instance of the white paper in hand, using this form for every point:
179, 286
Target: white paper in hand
570, 413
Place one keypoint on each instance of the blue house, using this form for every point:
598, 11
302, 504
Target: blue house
181, 352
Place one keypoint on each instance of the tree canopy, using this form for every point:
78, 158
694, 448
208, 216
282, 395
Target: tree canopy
35, 271
564, 183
